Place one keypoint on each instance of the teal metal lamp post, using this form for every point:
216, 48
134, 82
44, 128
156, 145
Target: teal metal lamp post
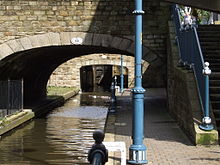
137, 151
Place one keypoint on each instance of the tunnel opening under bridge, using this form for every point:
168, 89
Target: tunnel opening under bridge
98, 78
35, 66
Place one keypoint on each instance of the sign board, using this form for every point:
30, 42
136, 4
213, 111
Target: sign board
77, 41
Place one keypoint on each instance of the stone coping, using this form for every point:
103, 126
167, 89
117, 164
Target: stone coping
205, 137
12, 121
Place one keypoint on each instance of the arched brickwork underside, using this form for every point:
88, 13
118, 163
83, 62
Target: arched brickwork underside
64, 39
34, 58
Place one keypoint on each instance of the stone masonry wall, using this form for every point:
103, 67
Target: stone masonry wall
68, 74
20, 18
183, 100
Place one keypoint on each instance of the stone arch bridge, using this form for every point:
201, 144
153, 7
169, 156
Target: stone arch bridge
34, 58
35, 38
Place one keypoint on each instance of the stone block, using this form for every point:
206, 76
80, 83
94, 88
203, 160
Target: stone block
5, 51
116, 42
106, 40
15, 46
144, 66
125, 44
65, 38
205, 137
44, 40
97, 39
35, 42
131, 48
54, 38
145, 50
150, 57
25, 42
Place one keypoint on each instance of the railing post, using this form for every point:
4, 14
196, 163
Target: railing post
122, 75
98, 154
206, 121
8, 96
112, 106
137, 151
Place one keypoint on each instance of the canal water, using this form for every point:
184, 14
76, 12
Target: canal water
63, 137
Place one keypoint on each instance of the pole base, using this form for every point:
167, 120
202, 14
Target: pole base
137, 154
206, 127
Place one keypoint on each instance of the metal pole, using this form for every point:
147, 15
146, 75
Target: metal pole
8, 101
22, 94
112, 107
97, 160
206, 121
122, 76
137, 151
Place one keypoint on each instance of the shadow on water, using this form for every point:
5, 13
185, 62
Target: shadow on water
64, 136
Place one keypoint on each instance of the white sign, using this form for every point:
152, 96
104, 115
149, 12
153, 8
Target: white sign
117, 146
76, 41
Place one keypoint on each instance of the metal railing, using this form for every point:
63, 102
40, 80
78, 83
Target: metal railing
11, 97
98, 154
191, 57
113, 101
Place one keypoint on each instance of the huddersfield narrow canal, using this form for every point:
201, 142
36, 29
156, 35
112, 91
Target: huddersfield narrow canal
63, 137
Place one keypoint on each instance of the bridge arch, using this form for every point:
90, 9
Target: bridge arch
66, 38
34, 58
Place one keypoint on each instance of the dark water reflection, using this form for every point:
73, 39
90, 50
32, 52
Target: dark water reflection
62, 137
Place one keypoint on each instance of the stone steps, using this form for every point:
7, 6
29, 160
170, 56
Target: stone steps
214, 83
214, 89
215, 97
209, 37
216, 113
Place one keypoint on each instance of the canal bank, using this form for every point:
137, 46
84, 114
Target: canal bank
12, 121
53, 100
63, 136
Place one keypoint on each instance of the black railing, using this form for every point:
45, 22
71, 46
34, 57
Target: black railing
98, 154
11, 97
